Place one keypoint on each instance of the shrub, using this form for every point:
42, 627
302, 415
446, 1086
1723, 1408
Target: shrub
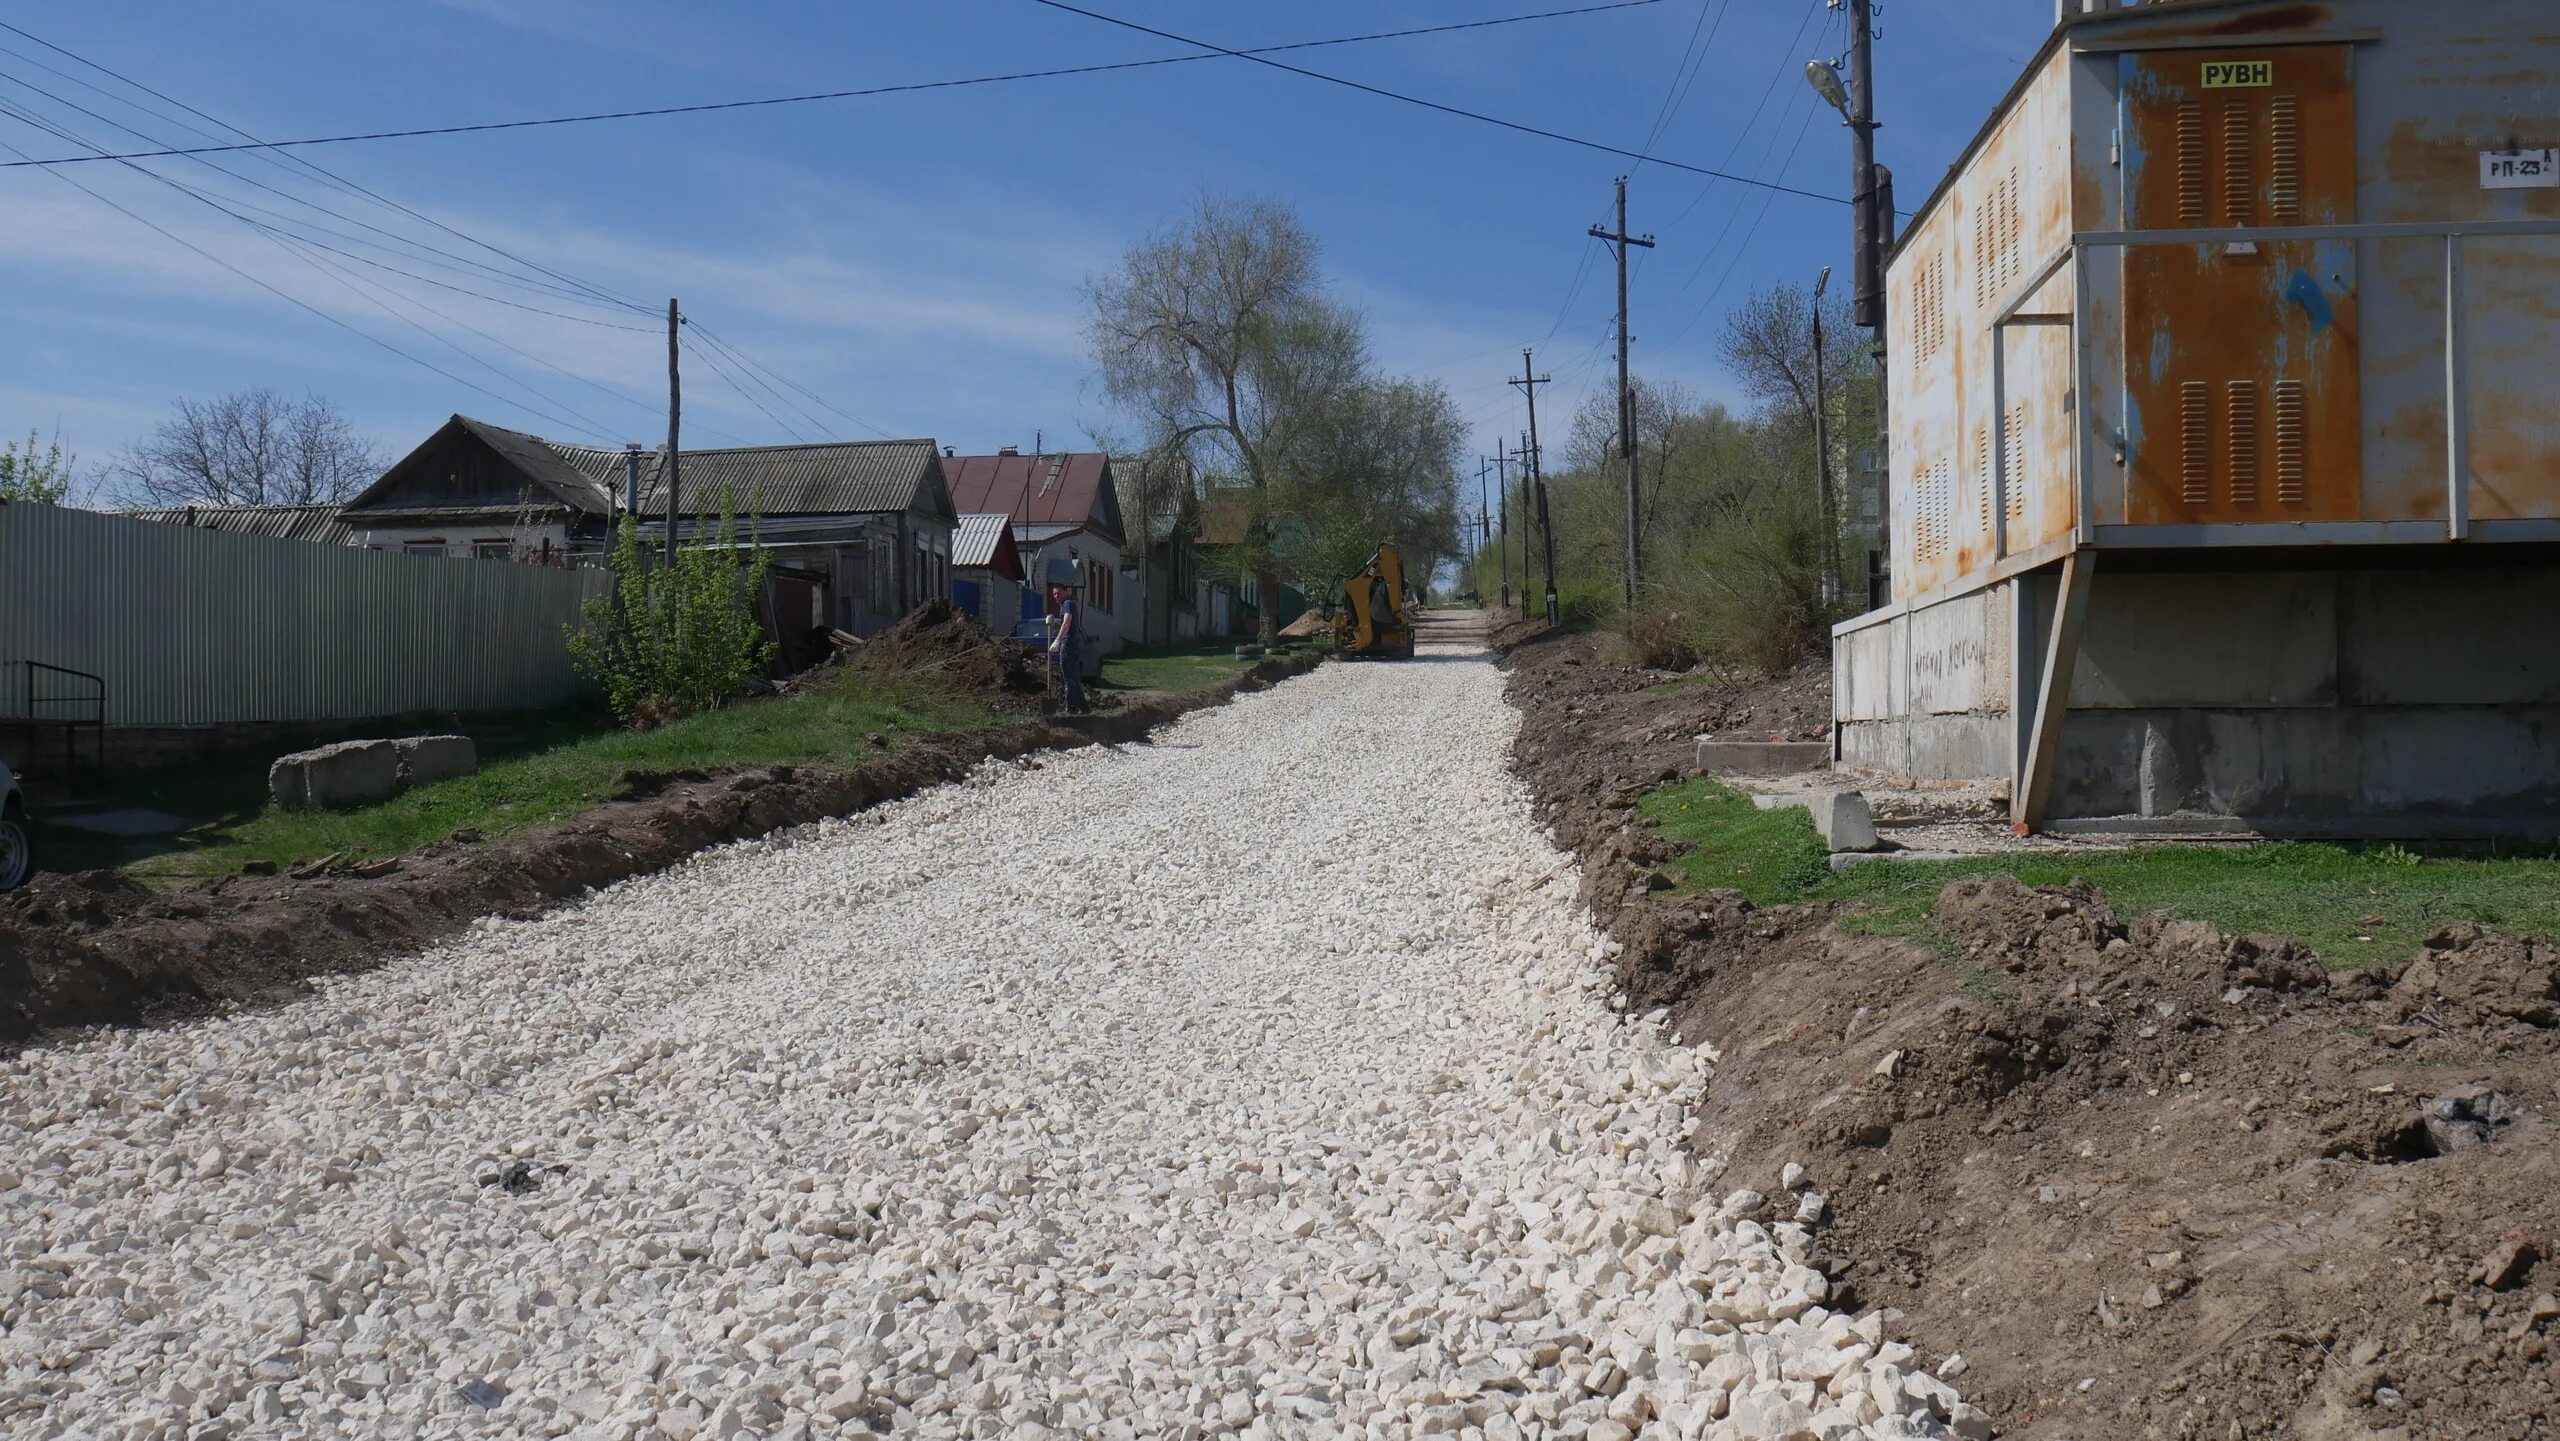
676, 638
1579, 602
1752, 583
1659, 639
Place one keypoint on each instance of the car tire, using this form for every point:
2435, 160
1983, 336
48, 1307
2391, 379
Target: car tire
17, 851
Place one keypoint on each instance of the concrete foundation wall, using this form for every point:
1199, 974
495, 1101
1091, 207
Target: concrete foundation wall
2349, 695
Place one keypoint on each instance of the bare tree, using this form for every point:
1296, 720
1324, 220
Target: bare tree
250, 447
1218, 332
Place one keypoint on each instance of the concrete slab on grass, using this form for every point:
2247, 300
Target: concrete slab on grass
1843, 818
425, 760
1761, 758
350, 773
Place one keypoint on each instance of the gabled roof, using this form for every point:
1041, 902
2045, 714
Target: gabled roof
1073, 489
985, 542
277, 522
571, 476
829, 478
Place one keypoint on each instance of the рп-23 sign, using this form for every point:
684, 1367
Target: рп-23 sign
2520, 169
2238, 74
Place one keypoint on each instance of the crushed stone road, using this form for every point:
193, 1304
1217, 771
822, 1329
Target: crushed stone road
1256, 1081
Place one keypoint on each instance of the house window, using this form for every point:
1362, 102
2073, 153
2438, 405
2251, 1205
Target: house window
434, 546
492, 550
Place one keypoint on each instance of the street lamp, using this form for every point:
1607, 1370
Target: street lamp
1825, 81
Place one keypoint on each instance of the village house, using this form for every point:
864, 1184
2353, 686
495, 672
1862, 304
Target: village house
1229, 597
1160, 511
858, 532
986, 571
1065, 515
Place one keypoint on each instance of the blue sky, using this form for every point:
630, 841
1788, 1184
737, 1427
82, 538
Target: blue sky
916, 261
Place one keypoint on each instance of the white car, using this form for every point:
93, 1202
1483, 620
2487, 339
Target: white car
17, 847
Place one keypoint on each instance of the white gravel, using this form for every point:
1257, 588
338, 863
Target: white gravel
1258, 1081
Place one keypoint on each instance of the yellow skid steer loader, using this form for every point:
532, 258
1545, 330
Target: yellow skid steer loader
1373, 621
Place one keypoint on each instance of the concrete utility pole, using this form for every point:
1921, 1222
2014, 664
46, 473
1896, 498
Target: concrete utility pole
675, 417
1822, 455
1529, 380
1484, 507
1619, 240
1528, 519
1875, 232
1502, 541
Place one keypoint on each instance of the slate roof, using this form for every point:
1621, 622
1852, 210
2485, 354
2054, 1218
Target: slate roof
830, 478
986, 542
827, 478
572, 484
277, 522
1073, 489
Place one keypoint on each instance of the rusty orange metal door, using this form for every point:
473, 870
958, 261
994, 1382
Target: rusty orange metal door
2241, 397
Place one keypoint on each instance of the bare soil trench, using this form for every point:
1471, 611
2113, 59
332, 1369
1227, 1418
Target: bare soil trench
99, 947
2146, 1179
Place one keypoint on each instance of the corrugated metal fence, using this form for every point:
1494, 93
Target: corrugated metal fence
196, 627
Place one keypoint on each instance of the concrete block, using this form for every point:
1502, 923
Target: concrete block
1761, 758
1846, 821
425, 760
1843, 818
350, 773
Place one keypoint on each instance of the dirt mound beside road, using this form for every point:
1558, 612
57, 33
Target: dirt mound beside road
940, 646
2146, 1179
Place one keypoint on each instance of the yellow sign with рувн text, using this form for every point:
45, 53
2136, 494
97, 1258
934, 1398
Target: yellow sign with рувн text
2239, 74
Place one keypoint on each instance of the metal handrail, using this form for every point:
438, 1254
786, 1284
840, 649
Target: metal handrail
95, 720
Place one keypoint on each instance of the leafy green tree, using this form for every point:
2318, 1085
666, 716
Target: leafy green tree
675, 639
1218, 333
39, 473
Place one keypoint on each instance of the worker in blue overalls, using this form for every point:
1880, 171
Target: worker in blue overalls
1068, 646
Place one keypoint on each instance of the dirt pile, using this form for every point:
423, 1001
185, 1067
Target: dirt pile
2146, 1179
98, 947
941, 646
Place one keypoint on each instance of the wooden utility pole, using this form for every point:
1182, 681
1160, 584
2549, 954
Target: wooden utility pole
1529, 380
1619, 240
1502, 540
675, 419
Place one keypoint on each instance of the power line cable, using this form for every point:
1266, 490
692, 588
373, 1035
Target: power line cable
749, 360
295, 164
800, 412
1460, 111
364, 290
703, 353
1693, 59
296, 301
281, 157
227, 202
1743, 248
234, 204
900, 89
